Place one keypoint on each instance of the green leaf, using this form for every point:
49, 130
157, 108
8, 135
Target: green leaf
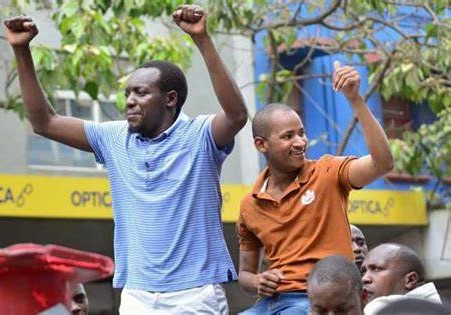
92, 89
431, 30
70, 8
120, 102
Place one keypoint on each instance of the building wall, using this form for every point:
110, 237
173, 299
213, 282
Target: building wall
433, 243
97, 235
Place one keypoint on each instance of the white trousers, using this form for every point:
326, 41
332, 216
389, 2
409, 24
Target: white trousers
209, 299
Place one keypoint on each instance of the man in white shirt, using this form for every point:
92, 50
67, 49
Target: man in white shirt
392, 272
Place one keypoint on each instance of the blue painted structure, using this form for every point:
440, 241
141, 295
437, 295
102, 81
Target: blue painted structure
327, 113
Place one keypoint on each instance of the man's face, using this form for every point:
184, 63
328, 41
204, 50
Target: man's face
359, 246
286, 142
334, 298
79, 300
382, 273
146, 107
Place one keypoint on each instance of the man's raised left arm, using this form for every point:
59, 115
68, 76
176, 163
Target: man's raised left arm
380, 160
193, 20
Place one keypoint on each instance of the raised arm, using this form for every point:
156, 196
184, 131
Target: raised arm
45, 121
254, 282
380, 160
193, 20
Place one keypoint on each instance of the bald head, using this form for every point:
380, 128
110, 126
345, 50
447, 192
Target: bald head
262, 120
391, 268
405, 258
335, 269
335, 284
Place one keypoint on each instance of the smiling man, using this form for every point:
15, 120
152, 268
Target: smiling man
296, 211
164, 170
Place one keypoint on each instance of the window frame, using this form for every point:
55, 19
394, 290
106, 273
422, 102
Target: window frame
82, 100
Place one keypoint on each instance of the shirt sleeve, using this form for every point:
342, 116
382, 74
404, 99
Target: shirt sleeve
219, 154
248, 241
337, 169
343, 173
101, 136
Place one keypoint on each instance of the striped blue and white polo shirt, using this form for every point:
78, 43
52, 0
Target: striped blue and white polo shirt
166, 203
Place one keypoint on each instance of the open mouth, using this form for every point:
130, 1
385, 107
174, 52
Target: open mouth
298, 153
368, 292
359, 259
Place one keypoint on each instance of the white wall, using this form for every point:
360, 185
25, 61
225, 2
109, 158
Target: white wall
432, 245
240, 167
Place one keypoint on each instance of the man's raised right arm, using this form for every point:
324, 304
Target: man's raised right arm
45, 121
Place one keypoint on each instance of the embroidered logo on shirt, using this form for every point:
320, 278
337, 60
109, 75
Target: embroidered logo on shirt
308, 197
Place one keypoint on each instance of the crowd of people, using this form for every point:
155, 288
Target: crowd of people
164, 169
386, 280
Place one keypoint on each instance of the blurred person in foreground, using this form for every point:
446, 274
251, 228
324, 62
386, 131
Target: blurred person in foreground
334, 287
413, 306
164, 169
296, 213
79, 299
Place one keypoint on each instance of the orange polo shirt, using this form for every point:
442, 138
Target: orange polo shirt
307, 224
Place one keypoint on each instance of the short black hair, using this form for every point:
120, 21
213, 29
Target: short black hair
171, 78
335, 269
260, 125
408, 259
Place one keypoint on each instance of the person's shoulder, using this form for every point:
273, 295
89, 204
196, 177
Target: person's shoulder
200, 119
380, 302
107, 128
247, 198
329, 157
333, 160
198, 122
250, 199
110, 124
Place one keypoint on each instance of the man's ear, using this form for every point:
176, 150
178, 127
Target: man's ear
411, 280
171, 98
260, 144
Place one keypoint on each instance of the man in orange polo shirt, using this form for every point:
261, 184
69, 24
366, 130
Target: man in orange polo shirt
296, 212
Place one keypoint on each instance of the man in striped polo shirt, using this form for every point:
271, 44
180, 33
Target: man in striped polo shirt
164, 170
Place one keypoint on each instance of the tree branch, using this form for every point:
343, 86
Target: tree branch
295, 22
274, 64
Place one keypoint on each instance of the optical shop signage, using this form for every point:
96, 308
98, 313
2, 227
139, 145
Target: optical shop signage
87, 197
54, 197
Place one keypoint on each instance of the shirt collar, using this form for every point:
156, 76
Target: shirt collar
181, 119
304, 175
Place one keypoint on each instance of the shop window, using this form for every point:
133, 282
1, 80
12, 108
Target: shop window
397, 116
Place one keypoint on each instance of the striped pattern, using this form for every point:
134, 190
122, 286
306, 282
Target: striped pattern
166, 201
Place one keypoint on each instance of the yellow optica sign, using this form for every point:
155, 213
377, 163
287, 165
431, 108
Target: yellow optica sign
387, 207
54, 197
89, 198
372, 207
